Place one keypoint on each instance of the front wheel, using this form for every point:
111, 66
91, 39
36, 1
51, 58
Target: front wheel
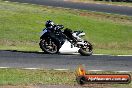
86, 50
48, 46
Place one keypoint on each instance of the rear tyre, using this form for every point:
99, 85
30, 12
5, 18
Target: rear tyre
48, 45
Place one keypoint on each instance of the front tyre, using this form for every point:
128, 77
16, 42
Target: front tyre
48, 46
86, 50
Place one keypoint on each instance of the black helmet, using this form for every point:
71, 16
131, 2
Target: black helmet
49, 24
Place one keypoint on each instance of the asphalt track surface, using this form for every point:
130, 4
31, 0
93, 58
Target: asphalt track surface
16, 59
19, 59
123, 10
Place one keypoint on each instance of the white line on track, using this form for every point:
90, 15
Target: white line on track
4, 67
98, 54
40, 51
124, 55
64, 69
15, 2
61, 69
32, 68
95, 70
122, 71
6, 1
25, 3
111, 55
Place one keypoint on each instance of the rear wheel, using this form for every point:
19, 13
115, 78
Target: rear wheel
86, 50
48, 45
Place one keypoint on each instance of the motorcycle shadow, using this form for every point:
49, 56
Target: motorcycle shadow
38, 52
35, 52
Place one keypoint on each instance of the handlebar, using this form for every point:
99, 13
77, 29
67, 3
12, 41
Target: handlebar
59, 26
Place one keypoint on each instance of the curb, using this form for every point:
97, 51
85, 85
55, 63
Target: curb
62, 69
95, 54
111, 55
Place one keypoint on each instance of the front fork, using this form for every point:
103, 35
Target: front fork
84, 44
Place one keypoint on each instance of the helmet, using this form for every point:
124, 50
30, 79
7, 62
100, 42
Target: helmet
49, 24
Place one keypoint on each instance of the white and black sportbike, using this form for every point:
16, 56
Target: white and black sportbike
64, 42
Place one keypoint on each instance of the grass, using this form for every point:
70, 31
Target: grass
26, 77
47, 77
113, 51
21, 24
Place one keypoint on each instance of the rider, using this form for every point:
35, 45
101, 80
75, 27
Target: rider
52, 27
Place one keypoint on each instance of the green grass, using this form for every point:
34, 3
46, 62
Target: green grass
23, 77
113, 51
27, 77
20, 26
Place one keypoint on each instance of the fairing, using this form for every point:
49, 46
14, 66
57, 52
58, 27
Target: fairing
67, 48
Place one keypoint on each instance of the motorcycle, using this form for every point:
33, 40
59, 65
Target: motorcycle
57, 41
